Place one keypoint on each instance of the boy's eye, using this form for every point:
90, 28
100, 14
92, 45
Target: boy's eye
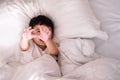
38, 31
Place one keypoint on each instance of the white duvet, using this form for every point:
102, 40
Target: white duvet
78, 61
74, 65
101, 69
43, 68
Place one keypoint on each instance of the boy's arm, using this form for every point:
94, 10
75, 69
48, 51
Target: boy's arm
52, 47
24, 44
26, 37
46, 36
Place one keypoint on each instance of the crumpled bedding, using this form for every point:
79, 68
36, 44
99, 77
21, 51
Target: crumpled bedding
43, 68
77, 59
75, 52
73, 64
100, 69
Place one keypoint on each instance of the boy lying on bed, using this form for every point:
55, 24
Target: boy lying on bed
37, 39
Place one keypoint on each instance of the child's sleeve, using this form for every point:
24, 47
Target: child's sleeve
26, 56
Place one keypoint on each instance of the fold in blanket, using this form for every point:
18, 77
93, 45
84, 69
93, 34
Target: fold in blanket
75, 52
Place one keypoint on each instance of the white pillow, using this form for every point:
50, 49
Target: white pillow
72, 18
109, 14
75, 18
14, 17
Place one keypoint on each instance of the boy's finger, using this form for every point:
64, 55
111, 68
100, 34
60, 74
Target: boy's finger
32, 30
41, 30
28, 29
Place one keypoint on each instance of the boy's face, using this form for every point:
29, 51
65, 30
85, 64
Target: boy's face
37, 32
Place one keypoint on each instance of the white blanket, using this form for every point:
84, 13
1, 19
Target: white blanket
100, 69
78, 61
75, 64
43, 68
74, 53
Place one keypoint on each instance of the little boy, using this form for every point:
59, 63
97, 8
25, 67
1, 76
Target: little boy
37, 39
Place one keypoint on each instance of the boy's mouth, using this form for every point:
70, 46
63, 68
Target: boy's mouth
41, 40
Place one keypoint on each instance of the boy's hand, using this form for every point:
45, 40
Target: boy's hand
27, 34
45, 34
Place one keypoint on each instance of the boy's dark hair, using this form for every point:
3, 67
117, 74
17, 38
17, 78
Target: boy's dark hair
42, 20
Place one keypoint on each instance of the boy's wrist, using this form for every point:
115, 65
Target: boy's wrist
25, 39
48, 41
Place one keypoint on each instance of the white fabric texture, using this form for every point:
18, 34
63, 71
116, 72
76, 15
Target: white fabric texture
43, 68
87, 68
77, 65
107, 11
100, 69
14, 17
74, 53
75, 19
7, 71
32, 53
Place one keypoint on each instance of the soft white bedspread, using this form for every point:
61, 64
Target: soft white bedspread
74, 65
43, 68
74, 53
79, 61
100, 69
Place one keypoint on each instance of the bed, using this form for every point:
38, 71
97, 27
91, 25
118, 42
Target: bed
86, 31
